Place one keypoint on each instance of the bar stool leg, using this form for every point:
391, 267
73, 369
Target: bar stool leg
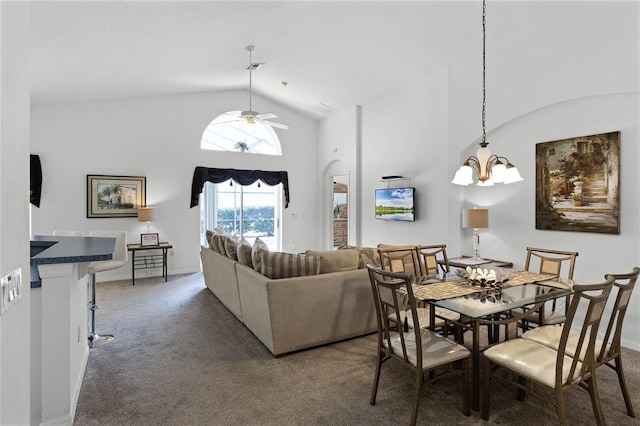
94, 339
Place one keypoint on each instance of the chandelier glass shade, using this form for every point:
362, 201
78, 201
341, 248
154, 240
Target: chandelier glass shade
489, 168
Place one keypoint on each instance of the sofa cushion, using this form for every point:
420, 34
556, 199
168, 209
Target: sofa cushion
336, 261
275, 264
258, 247
230, 246
244, 253
367, 255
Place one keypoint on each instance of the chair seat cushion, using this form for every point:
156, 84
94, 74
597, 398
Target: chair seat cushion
549, 335
104, 265
436, 349
532, 360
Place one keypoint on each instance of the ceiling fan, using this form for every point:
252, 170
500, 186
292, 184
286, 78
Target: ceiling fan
251, 116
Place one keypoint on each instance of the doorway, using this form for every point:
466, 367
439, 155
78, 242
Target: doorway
340, 213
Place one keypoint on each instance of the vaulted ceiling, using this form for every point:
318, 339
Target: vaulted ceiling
319, 56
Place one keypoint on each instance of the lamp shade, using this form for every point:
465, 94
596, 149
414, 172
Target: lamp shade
145, 214
475, 218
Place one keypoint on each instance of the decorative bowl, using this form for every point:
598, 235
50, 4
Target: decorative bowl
483, 277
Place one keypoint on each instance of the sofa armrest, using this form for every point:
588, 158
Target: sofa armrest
220, 277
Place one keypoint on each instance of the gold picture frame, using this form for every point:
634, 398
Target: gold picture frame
578, 184
115, 196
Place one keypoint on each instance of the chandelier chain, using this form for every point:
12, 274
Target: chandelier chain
484, 71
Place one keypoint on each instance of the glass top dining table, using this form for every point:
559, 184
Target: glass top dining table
490, 305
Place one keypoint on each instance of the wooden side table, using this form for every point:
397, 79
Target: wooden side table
149, 261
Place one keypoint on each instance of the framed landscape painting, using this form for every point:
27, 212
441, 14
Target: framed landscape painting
115, 196
578, 184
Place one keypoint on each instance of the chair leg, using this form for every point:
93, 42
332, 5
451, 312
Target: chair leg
595, 400
521, 393
416, 403
376, 380
562, 416
466, 391
623, 386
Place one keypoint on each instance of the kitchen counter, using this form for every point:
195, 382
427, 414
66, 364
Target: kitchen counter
48, 250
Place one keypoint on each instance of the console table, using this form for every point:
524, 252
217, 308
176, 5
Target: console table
148, 261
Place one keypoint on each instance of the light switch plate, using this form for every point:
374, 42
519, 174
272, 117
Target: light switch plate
11, 289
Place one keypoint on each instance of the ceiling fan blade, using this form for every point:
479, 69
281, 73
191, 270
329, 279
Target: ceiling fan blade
233, 120
277, 125
266, 115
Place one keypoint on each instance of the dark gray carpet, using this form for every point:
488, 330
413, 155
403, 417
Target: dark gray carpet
180, 358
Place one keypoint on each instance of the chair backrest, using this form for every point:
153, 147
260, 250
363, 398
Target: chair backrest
68, 233
433, 258
593, 297
391, 308
624, 284
120, 252
401, 259
550, 261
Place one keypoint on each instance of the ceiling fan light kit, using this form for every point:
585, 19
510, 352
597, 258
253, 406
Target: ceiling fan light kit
489, 168
250, 116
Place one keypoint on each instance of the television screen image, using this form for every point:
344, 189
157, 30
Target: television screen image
395, 204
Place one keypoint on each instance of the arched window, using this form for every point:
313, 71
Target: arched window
230, 132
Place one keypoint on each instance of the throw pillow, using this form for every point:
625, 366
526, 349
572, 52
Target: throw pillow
258, 247
244, 253
231, 246
286, 265
220, 240
368, 255
337, 260
209, 235
215, 242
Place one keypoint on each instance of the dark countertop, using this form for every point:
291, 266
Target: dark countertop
48, 249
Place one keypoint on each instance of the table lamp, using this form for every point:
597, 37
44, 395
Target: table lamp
145, 214
475, 218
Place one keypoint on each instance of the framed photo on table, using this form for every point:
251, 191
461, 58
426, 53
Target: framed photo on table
115, 196
151, 239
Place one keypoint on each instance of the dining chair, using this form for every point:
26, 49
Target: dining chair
422, 350
546, 261
608, 349
401, 259
118, 261
556, 369
433, 259
405, 260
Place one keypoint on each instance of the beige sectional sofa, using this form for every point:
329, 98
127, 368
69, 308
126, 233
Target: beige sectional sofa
289, 314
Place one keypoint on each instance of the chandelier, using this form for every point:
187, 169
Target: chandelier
489, 168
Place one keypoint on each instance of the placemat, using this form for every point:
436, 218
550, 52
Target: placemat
451, 289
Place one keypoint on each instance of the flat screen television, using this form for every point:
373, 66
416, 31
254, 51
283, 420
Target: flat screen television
396, 204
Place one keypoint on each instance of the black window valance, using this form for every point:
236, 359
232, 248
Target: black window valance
241, 177
35, 180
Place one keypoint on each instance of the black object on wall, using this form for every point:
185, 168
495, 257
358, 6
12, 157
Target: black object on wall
35, 181
241, 177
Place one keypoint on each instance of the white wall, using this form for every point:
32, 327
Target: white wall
405, 134
512, 207
14, 211
338, 150
159, 137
